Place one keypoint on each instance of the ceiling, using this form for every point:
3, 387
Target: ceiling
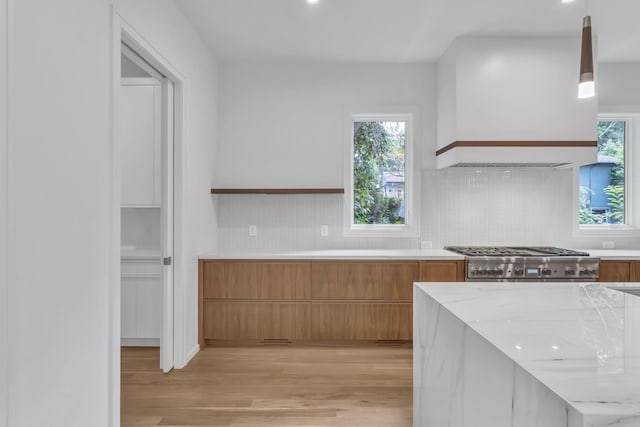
398, 30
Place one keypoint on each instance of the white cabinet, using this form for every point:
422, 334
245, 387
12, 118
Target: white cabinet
141, 301
140, 128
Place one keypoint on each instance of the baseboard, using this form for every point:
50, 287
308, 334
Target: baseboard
140, 342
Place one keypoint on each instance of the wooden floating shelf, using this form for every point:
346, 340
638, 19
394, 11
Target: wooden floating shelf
277, 191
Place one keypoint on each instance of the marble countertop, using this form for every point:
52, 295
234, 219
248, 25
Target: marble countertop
581, 340
364, 254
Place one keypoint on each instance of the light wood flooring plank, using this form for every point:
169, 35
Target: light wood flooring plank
297, 385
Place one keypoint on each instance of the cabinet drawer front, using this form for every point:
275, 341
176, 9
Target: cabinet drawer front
397, 280
615, 271
256, 320
364, 280
364, 321
284, 281
346, 281
284, 321
635, 271
256, 280
442, 271
230, 320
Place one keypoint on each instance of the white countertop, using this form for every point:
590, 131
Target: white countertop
381, 254
613, 254
582, 341
364, 254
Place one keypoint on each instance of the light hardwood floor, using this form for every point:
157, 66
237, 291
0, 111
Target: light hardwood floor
274, 385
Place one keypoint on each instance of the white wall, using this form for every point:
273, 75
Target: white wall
618, 87
458, 206
282, 125
60, 180
60, 209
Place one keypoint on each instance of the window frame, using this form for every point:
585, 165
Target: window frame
631, 198
411, 226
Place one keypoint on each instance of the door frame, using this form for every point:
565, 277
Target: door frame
123, 32
5, 24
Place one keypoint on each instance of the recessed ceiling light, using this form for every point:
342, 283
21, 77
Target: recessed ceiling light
316, 1
568, 1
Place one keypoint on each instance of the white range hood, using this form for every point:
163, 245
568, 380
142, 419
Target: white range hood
513, 102
517, 154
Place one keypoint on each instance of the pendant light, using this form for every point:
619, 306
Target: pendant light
587, 86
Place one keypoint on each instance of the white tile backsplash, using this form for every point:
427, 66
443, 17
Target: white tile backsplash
459, 206
496, 206
290, 222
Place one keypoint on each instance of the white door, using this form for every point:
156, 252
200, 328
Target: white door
166, 340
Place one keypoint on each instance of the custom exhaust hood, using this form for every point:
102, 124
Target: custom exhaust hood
513, 102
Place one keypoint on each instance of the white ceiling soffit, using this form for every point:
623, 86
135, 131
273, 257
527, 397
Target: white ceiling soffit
398, 30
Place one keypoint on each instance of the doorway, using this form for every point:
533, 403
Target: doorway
172, 271
145, 115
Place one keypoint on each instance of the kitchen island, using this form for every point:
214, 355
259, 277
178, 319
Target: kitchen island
524, 355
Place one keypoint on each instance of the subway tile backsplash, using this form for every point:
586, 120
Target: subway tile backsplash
520, 206
496, 206
289, 222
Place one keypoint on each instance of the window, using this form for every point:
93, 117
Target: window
380, 197
603, 185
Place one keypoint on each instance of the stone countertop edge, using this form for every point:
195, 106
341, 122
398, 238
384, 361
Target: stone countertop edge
337, 254
569, 336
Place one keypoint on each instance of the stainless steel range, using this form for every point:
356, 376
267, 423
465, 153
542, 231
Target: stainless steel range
531, 263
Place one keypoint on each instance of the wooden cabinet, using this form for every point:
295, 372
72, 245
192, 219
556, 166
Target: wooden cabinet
141, 302
619, 271
140, 137
254, 300
615, 271
364, 321
635, 271
256, 280
442, 271
363, 280
252, 320
262, 300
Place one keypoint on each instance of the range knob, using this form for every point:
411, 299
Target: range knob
546, 272
568, 271
518, 271
582, 272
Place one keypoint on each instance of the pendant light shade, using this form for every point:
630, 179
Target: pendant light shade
587, 87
